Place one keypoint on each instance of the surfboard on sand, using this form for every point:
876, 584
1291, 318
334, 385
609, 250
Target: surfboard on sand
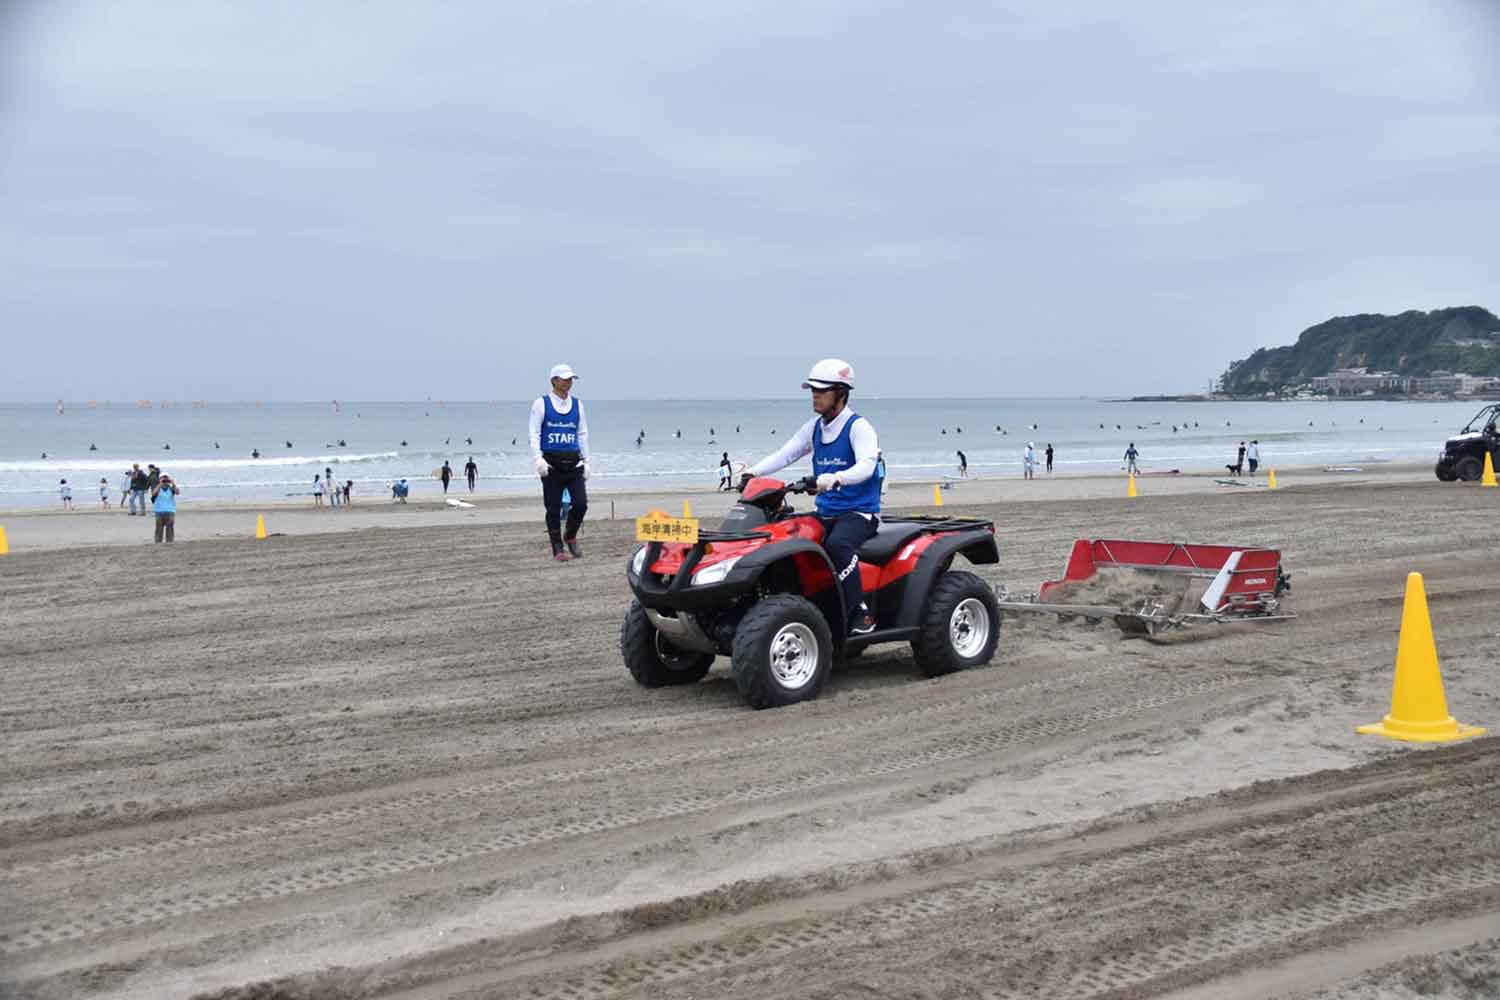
455, 502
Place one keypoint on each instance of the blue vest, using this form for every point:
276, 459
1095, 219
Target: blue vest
836, 456
165, 502
559, 430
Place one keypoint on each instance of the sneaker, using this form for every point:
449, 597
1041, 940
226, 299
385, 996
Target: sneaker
559, 553
862, 623
574, 549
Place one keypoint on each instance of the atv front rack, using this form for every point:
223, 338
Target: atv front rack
1242, 585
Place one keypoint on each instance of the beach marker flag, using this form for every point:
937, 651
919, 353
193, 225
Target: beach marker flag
687, 509
937, 494
1489, 471
4, 542
1419, 710
1130, 491
260, 526
1272, 483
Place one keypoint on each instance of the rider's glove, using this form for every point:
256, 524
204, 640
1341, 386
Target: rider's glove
542, 468
828, 481
583, 467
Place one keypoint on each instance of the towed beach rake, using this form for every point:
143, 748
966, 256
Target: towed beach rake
1185, 585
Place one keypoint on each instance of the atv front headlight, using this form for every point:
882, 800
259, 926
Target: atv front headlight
715, 573
639, 562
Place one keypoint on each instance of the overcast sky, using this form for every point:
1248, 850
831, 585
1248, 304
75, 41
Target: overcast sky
232, 200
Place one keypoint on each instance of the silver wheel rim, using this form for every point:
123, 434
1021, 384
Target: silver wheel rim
969, 627
794, 655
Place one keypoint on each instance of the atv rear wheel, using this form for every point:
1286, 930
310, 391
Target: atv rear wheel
783, 652
652, 659
961, 628
1469, 469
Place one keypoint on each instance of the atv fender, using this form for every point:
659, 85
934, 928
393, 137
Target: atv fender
802, 554
979, 548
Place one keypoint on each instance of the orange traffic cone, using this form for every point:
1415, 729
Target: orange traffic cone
1419, 710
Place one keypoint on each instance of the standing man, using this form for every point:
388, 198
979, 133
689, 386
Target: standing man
446, 475
845, 451
1130, 456
1253, 456
164, 504
963, 466
1239, 461
138, 482
471, 472
1049, 458
559, 436
1028, 459
726, 473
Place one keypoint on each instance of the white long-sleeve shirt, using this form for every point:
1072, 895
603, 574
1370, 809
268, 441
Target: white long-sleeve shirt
539, 413
862, 438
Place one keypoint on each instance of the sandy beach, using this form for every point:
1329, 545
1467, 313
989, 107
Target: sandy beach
392, 751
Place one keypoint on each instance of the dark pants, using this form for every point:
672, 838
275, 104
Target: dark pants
446, 480
842, 537
165, 523
471, 482
1253, 463
564, 475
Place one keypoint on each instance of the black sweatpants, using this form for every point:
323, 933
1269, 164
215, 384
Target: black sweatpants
564, 474
842, 537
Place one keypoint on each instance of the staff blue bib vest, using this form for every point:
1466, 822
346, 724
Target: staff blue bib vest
559, 430
836, 456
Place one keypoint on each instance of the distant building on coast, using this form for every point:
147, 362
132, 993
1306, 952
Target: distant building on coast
1346, 382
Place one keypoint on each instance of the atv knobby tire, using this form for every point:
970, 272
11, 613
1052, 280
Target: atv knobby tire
783, 652
651, 659
1469, 469
961, 627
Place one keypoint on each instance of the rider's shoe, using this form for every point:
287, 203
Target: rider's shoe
559, 553
862, 622
574, 549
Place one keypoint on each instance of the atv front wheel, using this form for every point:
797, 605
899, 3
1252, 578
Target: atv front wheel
652, 659
783, 652
961, 628
1469, 469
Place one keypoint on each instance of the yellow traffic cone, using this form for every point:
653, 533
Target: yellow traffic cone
1131, 491
1419, 710
4, 542
1489, 471
1272, 483
687, 509
260, 526
937, 494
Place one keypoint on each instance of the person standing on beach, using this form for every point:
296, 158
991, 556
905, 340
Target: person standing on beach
66, 492
446, 475
471, 472
164, 505
1239, 461
1252, 455
559, 437
1049, 458
138, 482
124, 489
330, 486
317, 491
348, 492
1028, 459
963, 466
1130, 456
104, 493
726, 473
845, 452
153, 476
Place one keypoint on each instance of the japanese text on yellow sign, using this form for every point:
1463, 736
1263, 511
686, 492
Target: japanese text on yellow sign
663, 528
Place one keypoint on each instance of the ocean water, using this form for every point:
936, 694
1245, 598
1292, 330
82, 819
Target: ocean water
211, 443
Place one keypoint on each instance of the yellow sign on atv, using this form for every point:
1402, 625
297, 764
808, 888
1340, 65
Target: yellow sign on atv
659, 526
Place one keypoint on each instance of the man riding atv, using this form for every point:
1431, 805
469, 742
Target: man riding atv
844, 450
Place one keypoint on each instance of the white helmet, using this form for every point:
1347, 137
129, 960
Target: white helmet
828, 373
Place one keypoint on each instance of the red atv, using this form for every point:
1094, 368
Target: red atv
761, 591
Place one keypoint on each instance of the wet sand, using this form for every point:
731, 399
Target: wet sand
405, 759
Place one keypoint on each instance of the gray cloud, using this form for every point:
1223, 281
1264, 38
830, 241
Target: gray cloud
388, 200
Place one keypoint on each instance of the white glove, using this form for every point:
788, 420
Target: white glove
828, 482
583, 467
542, 468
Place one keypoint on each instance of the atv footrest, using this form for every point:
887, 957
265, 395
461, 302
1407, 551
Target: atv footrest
880, 635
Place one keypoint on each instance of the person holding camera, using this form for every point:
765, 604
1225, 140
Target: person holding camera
164, 505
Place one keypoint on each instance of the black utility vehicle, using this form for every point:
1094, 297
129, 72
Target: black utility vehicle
1463, 455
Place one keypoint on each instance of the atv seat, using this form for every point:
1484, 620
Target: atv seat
889, 537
